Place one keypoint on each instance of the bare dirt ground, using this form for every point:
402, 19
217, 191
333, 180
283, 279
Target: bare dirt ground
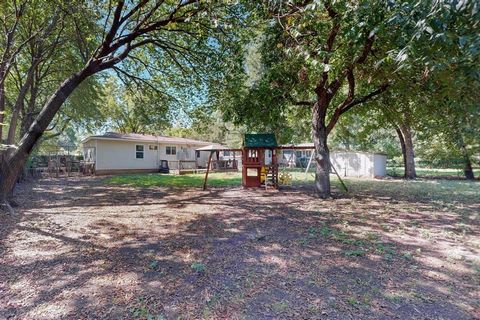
80, 249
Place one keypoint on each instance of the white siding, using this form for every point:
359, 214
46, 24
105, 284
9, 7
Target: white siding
121, 155
117, 155
238, 157
380, 165
171, 158
359, 164
203, 159
89, 151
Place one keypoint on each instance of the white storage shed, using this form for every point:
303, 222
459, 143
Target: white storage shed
359, 164
347, 163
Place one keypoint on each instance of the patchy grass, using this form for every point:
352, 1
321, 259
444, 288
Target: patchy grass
215, 179
198, 267
432, 173
442, 192
170, 180
132, 247
445, 191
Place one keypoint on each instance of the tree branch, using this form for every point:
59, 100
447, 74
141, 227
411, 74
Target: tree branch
365, 98
367, 48
300, 102
304, 103
328, 47
337, 82
344, 107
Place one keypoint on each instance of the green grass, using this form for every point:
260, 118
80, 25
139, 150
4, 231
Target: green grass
170, 180
430, 172
215, 179
438, 190
432, 190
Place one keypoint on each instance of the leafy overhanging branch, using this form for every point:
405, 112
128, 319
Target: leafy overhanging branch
350, 103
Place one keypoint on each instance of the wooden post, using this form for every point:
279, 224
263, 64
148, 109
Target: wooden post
208, 169
244, 168
275, 155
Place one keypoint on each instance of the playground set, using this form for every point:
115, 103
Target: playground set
259, 161
260, 165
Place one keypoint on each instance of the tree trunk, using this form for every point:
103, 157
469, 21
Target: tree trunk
2, 108
322, 154
410, 172
468, 170
404, 149
15, 159
28, 116
19, 105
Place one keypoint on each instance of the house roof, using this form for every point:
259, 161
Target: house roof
145, 138
260, 140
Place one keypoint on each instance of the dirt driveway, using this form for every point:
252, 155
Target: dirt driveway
80, 249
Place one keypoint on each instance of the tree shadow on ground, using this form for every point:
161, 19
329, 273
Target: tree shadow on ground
232, 253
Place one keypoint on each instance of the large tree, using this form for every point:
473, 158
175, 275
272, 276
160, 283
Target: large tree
453, 72
329, 57
125, 36
323, 58
451, 132
46, 59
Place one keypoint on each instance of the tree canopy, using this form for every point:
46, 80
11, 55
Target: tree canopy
338, 72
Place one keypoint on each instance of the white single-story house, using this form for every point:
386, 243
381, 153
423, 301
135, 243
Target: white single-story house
130, 152
347, 163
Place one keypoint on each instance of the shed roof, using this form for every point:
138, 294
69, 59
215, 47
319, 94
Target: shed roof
260, 140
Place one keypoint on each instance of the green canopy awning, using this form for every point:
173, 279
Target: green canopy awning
260, 140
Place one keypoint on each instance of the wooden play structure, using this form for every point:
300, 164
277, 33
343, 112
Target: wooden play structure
259, 161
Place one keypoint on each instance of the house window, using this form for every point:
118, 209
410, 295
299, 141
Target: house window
152, 147
308, 153
171, 150
298, 154
197, 154
139, 151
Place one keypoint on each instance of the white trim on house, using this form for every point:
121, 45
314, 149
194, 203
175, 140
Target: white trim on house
136, 151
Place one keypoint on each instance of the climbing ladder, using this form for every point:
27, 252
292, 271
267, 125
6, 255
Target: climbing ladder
271, 176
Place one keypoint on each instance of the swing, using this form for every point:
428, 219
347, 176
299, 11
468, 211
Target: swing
331, 165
